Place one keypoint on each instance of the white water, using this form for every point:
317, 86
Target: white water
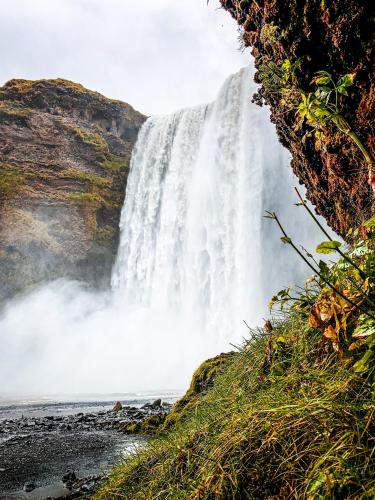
195, 259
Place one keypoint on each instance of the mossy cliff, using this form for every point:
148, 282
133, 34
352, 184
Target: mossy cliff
64, 162
304, 37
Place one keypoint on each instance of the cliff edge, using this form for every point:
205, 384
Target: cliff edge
292, 41
64, 162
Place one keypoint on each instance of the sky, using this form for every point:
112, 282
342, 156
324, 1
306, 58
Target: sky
157, 55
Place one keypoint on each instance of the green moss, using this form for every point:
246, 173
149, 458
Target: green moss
61, 82
93, 139
19, 85
152, 424
115, 163
14, 113
81, 175
11, 181
81, 198
202, 380
133, 428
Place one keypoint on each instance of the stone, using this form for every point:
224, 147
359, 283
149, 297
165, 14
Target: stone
117, 406
69, 476
29, 487
156, 403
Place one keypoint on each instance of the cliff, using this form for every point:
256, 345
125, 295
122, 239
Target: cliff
291, 41
64, 162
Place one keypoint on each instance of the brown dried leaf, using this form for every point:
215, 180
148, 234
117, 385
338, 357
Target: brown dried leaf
268, 326
314, 318
331, 334
326, 311
337, 348
355, 345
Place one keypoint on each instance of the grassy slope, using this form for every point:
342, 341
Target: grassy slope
291, 415
305, 430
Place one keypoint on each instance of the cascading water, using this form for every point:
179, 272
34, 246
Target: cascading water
195, 259
191, 226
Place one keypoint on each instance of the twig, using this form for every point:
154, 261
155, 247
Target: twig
348, 259
273, 216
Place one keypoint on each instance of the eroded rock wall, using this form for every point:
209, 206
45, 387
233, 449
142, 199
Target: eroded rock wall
64, 162
318, 35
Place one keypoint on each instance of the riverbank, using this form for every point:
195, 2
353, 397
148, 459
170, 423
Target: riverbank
46, 450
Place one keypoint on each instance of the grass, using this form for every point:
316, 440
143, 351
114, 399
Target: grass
300, 427
84, 198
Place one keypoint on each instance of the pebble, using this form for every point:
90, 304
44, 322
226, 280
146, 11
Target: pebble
29, 487
103, 420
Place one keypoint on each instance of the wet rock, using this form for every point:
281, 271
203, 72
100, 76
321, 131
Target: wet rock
117, 406
69, 476
29, 487
156, 403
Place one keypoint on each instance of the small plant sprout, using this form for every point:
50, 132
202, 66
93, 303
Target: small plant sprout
322, 106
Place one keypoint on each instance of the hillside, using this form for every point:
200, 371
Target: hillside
64, 162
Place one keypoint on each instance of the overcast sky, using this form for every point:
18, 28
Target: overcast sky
158, 55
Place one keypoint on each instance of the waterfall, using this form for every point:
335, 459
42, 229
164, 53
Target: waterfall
195, 259
192, 237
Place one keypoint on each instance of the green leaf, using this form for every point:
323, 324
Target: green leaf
328, 247
286, 240
342, 91
321, 80
323, 268
365, 327
346, 80
370, 222
364, 364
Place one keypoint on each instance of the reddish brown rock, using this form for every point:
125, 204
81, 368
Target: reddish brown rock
117, 406
64, 161
319, 35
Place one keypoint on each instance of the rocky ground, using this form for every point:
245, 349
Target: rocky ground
66, 456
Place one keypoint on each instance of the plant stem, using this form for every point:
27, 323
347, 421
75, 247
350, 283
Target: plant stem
343, 255
361, 146
357, 306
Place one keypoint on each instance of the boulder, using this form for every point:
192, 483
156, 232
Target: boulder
117, 406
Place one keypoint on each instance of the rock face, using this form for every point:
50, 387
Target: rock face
310, 36
64, 162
